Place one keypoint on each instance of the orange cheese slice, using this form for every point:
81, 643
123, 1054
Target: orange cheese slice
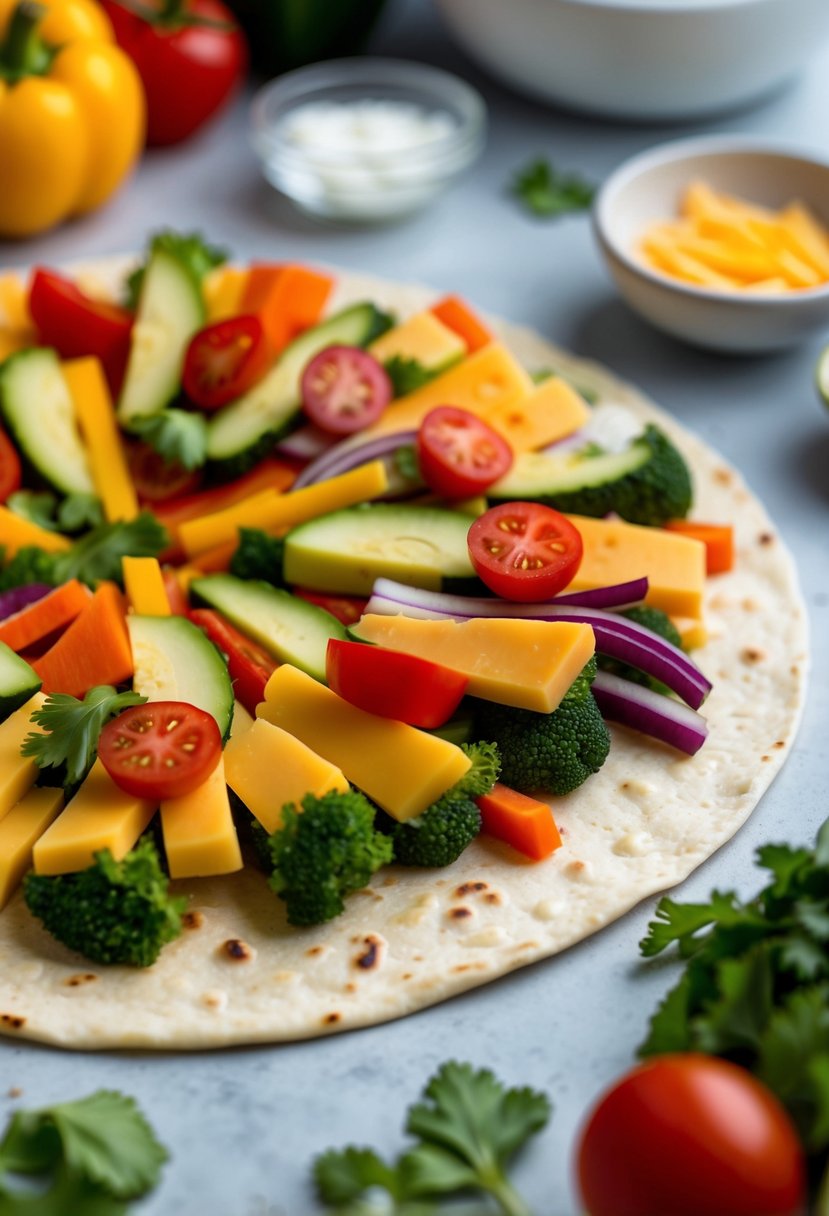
422, 337
615, 551
199, 834
402, 769
550, 412
267, 768
528, 664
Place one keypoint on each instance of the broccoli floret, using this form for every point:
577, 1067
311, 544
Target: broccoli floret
112, 912
259, 556
658, 622
325, 853
442, 832
549, 753
658, 490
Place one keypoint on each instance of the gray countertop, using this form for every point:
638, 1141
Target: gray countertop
243, 1125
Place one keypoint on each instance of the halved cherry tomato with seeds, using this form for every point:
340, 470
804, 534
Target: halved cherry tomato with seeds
159, 750
156, 479
459, 454
345, 389
224, 360
524, 551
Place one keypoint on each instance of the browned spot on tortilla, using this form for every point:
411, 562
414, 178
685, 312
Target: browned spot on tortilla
461, 967
765, 759
723, 476
351, 988
527, 946
407, 975
417, 958
794, 669
212, 1000
751, 654
15, 1092
492, 897
315, 950
192, 920
780, 743
12, 1021
371, 955
391, 881
460, 913
331, 1019
765, 538
469, 888
237, 950
750, 606
83, 977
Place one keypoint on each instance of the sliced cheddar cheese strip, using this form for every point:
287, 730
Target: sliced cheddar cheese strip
223, 290
102, 438
100, 816
199, 834
144, 585
20, 830
528, 664
16, 533
402, 769
615, 551
553, 410
267, 768
421, 337
17, 773
274, 512
241, 721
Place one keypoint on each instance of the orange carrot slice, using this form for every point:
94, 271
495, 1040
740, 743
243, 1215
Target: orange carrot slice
456, 314
286, 299
523, 822
56, 610
95, 649
717, 538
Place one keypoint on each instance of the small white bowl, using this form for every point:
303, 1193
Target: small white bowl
335, 182
643, 59
647, 189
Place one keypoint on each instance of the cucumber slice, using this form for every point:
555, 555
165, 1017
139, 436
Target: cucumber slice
18, 681
170, 310
290, 629
242, 429
174, 661
540, 475
38, 410
822, 375
347, 550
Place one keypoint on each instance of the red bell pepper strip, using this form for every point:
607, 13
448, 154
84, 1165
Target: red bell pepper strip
249, 665
392, 684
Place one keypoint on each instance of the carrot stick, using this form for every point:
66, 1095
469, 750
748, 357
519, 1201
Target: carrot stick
286, 299
523, 822
456, 314
56, 610
95, 649
717, 538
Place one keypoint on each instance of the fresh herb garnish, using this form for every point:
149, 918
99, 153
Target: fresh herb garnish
98, 555
406, 462
70, 728
71, 514
546, 192
258, 556
95, 1155
178, 436
406, 375
468, 1126
191, 250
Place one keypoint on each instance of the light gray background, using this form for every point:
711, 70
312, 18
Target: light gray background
242, 1126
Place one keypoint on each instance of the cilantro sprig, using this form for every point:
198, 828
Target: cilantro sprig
94, 1157
547, 192
755, 986
406, 375
69, 729
177, 435
70, 514
95, 556
468, 1126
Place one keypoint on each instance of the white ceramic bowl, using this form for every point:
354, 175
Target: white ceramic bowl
648, 189
663, 59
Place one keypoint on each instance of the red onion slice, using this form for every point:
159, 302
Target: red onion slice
615, 636
17, 598
649, 712
308, 443
342, 458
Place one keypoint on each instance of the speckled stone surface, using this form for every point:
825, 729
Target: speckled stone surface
243, 1125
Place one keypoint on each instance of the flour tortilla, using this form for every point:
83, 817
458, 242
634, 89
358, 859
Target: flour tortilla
416, 937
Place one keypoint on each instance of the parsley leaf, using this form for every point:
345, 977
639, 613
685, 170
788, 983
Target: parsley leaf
191, 250
546, 192
97, 1153
406, 375
178, 436
70, 729
29, 565
406, 462
97, 555
70, 514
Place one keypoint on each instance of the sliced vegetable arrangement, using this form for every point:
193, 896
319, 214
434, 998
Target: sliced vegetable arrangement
419, 499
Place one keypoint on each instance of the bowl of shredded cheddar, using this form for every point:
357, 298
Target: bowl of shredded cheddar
721, 241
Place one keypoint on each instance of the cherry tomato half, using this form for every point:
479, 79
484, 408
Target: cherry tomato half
76, 325
10, 471
392, 684
459, 454
160, 750
524, 551
249, 665
345, 389
686, 1135
224, 360
156, 479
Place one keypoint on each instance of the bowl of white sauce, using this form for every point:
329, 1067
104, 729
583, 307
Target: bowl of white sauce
361, 140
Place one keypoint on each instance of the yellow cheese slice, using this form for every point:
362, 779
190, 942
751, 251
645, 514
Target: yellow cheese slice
223, 290
274, 512
402, 769
241, 721
102, 439
694, 635
422, 337
17, 773
615, 551
267, 767
13, 340
806, 237
19, 831
199, 834
16, 533
14, 303
100, 816
551, 411
528, 664
144, 585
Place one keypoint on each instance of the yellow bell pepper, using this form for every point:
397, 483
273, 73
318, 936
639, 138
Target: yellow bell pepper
72, 112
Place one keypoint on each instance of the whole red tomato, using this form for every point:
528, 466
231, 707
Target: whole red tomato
189, 53
690, 1135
